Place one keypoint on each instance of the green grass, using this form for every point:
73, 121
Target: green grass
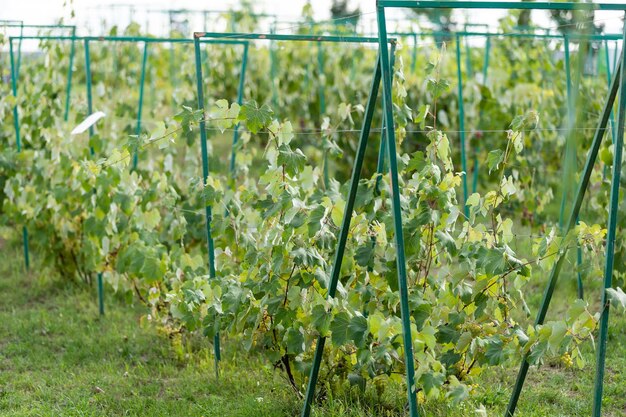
57, 358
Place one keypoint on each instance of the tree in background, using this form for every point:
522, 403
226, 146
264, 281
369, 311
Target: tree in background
339, 10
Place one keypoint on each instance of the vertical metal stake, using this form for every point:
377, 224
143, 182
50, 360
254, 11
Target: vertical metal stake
242, 80
100, 283
461, 123
70, 68
142, 81
477, 148
205, 175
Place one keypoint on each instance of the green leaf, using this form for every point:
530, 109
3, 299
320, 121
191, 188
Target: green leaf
321, 320
357, 330
255, 117
315, 219
617, 297
421, 115
153, 269
492, 261
437, 87
364, 254
559, 330
494, 353
293, 161
473, 200
339, 328
432, 381
294, 339
494, 159
458, 394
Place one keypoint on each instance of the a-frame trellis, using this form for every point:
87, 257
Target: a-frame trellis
383, 72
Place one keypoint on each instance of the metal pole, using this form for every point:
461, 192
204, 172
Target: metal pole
18, 143
468, 59
608, 79
242, 80
205, 175
575, 210
343, 234
140, 106
92, 152
273, 75
172, 68
397, 212
414, 54
461, 124
19, 48
322, 99
382, 150
610, 241
69, 76
570, 114
477, 148
569, 157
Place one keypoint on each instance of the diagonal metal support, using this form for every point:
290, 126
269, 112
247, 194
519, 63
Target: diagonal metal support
575, 210
397, 212
382, 150
610, 240
343, 234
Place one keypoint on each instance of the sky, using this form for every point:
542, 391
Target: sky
89, 13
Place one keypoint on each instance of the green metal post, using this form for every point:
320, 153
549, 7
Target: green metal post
461, 123
575, 210
322, 99
414, 53
382, 150
468, 58
91, 150
569, 158
142, 81
610, 240
68, 89
172, 69
397, 211
273, 75
18, 143
570, 122
608, 78
242, 80
477, 149
16, 124
205, 175
343, 234
615, 55
19, 48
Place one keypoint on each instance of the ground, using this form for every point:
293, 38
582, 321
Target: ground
58, 358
